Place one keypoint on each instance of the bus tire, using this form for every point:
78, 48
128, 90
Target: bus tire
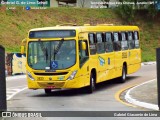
124, 73
92, 85
47, 91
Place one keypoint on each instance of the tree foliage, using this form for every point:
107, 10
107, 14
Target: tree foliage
127, 11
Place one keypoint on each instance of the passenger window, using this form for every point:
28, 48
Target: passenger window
117, 42
130, 36
99, 37
92, 43
136, 37
124, 42
116, 37
91, 38
131, 41
109, 37
108, 42
100, 43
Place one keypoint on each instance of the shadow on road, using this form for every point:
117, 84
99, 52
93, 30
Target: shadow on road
82, 91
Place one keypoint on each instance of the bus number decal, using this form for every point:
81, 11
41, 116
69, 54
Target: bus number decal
101, 61
61, 78
40, 78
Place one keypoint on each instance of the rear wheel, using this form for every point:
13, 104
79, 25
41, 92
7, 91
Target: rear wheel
92, 85
47, 91
124, 72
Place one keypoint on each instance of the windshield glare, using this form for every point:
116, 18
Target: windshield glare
52, 55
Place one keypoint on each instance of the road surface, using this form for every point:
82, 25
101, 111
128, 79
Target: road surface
103, 99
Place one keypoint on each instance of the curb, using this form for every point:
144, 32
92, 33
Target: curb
133, 101
148, 63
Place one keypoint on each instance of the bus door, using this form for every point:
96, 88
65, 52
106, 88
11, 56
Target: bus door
93, 63
84, 62
118, 54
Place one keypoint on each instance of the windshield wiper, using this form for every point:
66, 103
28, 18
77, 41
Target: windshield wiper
58, 47
45, 50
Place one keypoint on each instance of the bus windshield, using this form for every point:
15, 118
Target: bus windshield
51, 55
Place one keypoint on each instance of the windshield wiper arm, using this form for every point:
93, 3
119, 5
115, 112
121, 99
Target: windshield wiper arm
45, 51
58, 47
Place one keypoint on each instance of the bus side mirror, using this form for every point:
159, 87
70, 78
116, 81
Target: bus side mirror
22, 49
83, 46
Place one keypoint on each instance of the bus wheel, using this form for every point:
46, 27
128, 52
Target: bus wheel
123, 77
92, 85
47, 91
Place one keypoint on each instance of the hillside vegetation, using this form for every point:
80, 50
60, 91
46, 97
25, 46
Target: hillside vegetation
14, 25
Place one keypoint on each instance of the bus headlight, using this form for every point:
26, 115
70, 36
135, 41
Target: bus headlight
30, 76
72, 75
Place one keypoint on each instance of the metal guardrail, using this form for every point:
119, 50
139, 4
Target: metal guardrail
3, 103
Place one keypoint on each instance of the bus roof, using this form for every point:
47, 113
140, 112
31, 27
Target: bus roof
89, 28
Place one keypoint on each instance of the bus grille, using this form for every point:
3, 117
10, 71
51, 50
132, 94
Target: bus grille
51, 74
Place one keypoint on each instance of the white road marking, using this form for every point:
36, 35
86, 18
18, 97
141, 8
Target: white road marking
14, 90
131, 100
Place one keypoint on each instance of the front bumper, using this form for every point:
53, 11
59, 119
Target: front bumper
75, 83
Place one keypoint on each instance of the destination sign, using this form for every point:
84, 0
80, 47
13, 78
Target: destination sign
52, 34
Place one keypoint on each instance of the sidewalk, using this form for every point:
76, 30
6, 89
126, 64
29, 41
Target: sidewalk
144, 95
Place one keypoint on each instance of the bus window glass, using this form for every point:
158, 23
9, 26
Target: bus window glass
136, 39
108, 43
92, 43
136, 35
131, 42
123, 36
108, 37
117, 43
115, 37
124, 42
130, 36
99, 37
91, 38
42, 54
100, 43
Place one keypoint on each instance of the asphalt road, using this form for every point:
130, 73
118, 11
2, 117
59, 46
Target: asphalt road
103, 99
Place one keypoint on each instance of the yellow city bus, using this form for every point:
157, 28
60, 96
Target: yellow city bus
80, 56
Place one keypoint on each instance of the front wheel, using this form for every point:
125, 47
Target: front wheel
92, 85
123, 77
47, 91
